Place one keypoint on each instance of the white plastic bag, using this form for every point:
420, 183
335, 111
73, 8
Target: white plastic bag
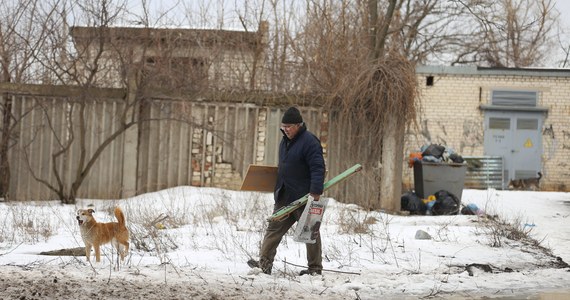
307, 229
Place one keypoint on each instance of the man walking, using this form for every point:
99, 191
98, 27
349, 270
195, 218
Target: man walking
301, 170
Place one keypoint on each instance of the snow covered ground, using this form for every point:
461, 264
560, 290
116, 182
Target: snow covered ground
192, 243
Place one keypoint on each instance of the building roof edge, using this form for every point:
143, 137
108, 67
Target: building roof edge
474, 70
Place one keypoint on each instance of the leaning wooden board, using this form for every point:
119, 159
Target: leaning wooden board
260, 178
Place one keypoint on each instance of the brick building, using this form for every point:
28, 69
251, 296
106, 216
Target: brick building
173, 59
521, 115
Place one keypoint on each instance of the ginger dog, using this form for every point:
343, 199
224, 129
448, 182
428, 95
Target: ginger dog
96, 234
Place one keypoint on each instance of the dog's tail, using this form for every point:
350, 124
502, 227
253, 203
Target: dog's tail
539, 175
120, 216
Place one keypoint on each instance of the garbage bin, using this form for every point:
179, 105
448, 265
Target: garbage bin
431, 177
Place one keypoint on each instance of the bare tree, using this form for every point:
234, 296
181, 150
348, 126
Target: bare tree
146, 62
566, 51
563, 40
22, 36
347, 56
104, 56
356, 58
511, 33
85, 69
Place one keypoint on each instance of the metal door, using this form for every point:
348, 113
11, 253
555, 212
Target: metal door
515, 136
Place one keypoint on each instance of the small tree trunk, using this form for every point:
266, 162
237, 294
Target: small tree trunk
392, 156
4, 145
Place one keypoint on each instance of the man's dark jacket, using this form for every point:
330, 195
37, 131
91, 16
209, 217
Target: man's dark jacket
301, 166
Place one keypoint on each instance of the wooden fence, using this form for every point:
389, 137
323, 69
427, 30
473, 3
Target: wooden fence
180, 142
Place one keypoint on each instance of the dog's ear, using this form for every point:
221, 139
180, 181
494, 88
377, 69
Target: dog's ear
90, 210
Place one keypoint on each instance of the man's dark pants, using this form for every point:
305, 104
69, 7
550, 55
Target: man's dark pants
275, 232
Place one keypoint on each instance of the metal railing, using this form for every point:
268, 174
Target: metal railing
484, 172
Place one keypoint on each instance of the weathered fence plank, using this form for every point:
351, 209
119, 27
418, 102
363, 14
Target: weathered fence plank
178, 142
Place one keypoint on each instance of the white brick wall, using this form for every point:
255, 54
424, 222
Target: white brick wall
450, 115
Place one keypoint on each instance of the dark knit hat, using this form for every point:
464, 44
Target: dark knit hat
292, 116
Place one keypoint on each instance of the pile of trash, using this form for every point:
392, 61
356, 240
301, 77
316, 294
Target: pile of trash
436, 154
440, 203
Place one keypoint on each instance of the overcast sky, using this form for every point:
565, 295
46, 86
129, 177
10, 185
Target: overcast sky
564, 7
224, 14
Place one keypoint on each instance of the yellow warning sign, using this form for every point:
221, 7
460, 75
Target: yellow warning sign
528, 143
